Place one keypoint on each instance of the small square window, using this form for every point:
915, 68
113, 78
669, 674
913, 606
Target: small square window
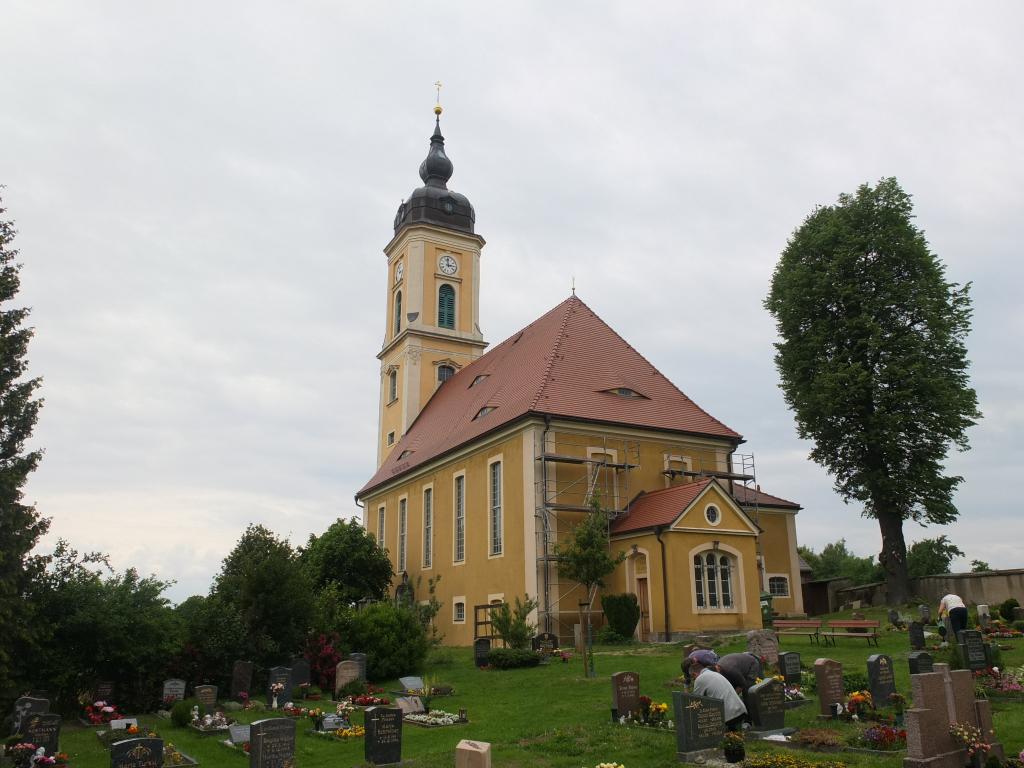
391, 438
460, 613
778, 586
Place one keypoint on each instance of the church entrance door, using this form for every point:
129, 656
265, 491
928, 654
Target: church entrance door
645, 609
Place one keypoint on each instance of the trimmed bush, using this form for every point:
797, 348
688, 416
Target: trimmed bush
854, 681
622, 613
1006, 608
608, 636
181, 712
512, 658
512, 624
396, 635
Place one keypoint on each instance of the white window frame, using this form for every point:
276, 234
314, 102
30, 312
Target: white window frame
456, 602
593, 474
459, 517
678, 462
403, 531
495, 516
718, 511
392, 385
702, 584
428, 527
381, 525
785, 577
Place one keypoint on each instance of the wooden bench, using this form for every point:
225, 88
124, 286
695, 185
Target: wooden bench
865, 628
809, 627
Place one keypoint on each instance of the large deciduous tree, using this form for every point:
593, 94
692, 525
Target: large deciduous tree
20, 523
873, 362
347, 556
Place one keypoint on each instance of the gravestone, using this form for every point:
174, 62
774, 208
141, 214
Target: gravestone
916, 635
44, 731
334, 723
411, 683
947, 625
300, 671
174, 690
382, 744
881, 680
239, 733
766, 705
360, 659
207, 696
272, 743
24, 708
104, 691
241, 678
625, 693
282, 675
972, 648
481, 650
123, 723
137, 753
920, 662
765, 644
789, 667
546, 642
1018, 613
993, 655
984, 617
346, 672
895, 619
410, 705
700, 723
828, 674
472, 754
925, 612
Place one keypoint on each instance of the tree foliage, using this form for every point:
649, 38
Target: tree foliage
873, 362
347, 556
836, 561
512, 624
931, 556
20, 524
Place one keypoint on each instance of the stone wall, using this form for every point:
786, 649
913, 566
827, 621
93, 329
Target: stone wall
990, 588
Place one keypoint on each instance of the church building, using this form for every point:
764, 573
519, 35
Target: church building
487, 459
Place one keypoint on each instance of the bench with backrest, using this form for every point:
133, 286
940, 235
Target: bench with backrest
865, 628
809, 627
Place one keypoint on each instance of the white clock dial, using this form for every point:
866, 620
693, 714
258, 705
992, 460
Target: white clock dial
399, 271
448, 264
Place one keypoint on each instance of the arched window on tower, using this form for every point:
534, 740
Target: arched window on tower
712, 577
398, 312
444, 372
446, 307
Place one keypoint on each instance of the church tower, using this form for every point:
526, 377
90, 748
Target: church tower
432, 320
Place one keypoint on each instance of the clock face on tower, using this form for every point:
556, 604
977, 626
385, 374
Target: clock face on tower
399, 271
448, 264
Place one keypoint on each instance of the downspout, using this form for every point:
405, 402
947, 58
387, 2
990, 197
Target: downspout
546, 575
658, 530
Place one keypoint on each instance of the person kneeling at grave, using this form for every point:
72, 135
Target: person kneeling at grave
742, 670
708, 681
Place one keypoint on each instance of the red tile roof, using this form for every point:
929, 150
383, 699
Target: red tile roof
561, 365
746, 496
659, 507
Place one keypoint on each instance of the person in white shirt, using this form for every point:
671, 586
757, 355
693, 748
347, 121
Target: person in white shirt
953, 606
708, 681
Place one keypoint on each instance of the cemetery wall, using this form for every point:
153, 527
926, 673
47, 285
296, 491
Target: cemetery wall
974, 588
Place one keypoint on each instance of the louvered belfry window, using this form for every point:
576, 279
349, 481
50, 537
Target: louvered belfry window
446, 307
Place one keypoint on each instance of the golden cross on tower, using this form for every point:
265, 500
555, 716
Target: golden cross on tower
437, 108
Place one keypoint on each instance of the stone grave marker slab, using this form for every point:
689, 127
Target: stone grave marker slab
44, 731
895, 619
360, 659
239, 733
481, 650
346, 672
174, 690
546, 642
410, 705
124, 723
282, 675
765, 644
925, 612
300, 671
207, 696
984, 617
104, 690
993, 655
700, 722
766, 705
241, 678
1018, 613
472, 754
137, 753
920, 662
24, 708
789, 667
881, 680
828, 674
625, 693
972, 647
411, 683
272, 743
916, 634
333, 723
382, 744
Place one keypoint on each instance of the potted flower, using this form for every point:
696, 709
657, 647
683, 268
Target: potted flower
275, 691
732, 745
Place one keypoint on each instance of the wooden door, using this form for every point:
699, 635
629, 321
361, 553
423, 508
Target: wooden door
645, 609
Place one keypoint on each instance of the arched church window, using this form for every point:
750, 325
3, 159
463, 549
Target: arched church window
444, 372
392, 386
712, 578
398, 312
446, 307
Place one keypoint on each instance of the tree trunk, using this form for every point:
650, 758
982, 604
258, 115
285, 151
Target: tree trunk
893, 558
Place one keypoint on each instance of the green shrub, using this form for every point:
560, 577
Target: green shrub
855, 681
511, 658
512, 624
954, 657
440, 656
1018, 625
622, 612
396, 635
181, 712
608, 636
1006, 608
354, 688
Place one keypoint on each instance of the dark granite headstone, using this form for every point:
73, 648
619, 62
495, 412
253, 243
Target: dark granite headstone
137, 753
789, 667
174, 690
916, 635
972, 648
700, 722
766, 705
360, 659
272, 743
241, 678
920, 662
626, 693
881, 680
281, 675
382, 744
344, 673
239, 733
24, 708
546, 642
925, 612
44, 731
300, 671
481, 650
828, 674
207, 696
104, 691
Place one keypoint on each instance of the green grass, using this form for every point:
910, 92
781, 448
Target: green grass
553, 716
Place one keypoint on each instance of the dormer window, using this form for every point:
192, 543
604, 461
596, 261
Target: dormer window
405, 454
479, 379
483, 412
626, 392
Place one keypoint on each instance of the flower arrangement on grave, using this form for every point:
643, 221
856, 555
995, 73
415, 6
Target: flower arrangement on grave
733, 746
108, 737
881, 737
366, 700
344, 734
859, 704
434, 717
21, 754
275, 690
817, 738
566, 658
652, 714
969, 737
898, 702
609, 765
780, 760
98, 712
218, 721
994, 680
345, 709
172, 756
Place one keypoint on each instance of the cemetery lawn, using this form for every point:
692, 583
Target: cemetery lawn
552, 716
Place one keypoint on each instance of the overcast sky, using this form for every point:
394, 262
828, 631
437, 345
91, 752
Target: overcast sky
203, 192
